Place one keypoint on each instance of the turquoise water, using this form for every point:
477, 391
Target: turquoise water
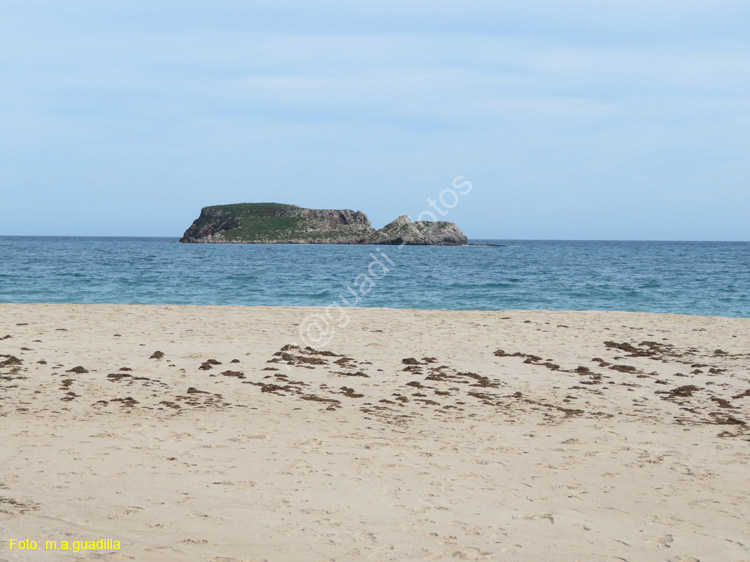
707, 278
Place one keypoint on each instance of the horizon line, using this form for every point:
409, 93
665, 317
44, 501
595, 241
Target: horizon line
280, 244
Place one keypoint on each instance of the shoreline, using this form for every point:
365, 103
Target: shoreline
200, 432
322, 308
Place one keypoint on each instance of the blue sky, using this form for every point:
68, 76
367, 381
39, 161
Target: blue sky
573, 120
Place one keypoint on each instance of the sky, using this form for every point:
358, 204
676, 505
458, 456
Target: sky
581, 119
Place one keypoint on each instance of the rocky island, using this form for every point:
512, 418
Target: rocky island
276, 223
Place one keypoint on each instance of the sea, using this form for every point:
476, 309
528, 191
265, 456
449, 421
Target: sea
703, 278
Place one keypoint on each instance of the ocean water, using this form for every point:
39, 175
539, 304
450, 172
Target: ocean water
705, 278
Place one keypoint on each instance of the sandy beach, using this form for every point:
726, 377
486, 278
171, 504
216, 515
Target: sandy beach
207, 434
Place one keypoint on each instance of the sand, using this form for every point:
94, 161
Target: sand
410, 435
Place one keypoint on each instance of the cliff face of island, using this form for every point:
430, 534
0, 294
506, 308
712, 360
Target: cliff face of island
275, 223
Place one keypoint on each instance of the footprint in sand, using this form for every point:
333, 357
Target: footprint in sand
664, 541
540, 517
130, 510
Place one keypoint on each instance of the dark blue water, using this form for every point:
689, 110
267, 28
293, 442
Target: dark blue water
707, 278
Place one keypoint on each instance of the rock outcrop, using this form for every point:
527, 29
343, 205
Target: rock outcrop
403, 231
275, 223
